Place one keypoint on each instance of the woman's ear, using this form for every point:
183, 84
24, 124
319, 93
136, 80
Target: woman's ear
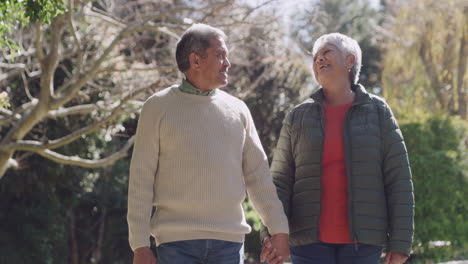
350, 60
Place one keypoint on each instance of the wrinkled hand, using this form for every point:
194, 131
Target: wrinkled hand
275, 249
144, 255
395, 258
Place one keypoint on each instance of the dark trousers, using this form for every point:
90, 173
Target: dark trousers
326, 253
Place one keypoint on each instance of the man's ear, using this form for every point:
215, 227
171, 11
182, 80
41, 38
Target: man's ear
350, 60
194, 60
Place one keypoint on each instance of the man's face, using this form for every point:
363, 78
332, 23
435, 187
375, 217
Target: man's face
214, 66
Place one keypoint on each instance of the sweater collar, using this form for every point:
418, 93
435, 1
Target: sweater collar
361, 94
187, 87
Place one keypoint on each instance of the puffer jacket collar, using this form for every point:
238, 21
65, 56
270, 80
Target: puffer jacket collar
362, 96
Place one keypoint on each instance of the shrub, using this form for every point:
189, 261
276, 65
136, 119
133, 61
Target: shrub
438, 157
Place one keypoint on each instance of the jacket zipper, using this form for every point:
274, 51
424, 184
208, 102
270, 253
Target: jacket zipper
347, 141
322, 127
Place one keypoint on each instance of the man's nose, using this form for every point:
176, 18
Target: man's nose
227, 63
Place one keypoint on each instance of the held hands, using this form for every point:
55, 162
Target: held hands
275, 249
144, 255
395, 258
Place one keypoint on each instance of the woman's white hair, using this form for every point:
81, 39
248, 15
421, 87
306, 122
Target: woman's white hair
347, 46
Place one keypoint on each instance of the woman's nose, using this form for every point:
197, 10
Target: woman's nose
319, 58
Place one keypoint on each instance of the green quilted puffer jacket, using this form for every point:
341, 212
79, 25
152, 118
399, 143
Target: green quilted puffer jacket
380, 190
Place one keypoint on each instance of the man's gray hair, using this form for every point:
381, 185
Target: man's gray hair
195, 39
347, 46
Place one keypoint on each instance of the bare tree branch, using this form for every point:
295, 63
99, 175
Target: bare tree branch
50, 62
258, 7
462, 64
24, 53
26, 87
8, 116
76, 40
91, 73
104, 16
13, 65
158, 69
5, 112
35, 146
426, 55
87, 51
86, 163
10, 74
17, 69
38, 44
74, 110
253, 85
11, 116
25, 107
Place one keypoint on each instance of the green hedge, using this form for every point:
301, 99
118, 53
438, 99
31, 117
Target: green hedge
438, 157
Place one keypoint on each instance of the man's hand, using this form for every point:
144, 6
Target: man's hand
275, 249
395, 258
268, 252
144, 255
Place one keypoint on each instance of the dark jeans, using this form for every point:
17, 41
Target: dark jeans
326, 253
200, 251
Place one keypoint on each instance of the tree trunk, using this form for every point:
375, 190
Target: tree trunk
97, 252
5, 162
462, 93
72, 239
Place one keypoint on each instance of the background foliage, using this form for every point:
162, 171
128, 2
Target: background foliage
16, 13
66, 203
438, 157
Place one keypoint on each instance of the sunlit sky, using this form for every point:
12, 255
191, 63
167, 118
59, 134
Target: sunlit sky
287, 7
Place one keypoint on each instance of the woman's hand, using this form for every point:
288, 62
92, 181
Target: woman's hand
395, 258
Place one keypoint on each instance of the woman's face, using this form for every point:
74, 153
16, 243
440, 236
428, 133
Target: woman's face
330, 64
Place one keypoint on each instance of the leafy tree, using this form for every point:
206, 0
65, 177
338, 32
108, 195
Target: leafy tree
439, 162
425, 65
15, 12
94, 61
78, 66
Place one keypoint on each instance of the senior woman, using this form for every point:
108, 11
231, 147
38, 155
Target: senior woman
341, 169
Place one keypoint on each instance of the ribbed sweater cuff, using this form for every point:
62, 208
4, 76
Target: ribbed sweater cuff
278, 227
139, 241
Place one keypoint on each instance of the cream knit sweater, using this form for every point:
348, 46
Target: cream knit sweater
193, 159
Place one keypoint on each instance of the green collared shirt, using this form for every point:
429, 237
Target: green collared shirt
187, 87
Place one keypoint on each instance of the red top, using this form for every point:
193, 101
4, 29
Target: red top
334, 222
